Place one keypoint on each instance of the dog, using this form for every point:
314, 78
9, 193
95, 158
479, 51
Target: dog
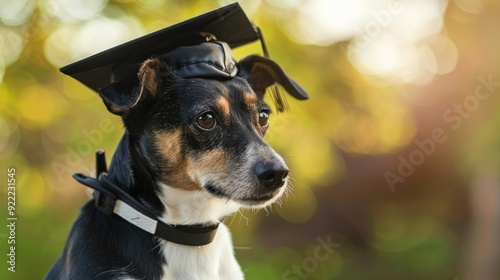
192, 154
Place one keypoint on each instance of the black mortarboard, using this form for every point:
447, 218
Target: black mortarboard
228, 24
198, 47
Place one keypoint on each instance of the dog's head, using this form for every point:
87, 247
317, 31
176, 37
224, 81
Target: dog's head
203, 134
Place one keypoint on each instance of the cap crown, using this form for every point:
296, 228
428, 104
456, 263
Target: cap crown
181, 43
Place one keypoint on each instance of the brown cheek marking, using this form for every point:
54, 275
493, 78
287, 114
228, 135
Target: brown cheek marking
176, 176
212, 164
169, 145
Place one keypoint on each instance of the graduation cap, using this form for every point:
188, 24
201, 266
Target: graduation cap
198, 47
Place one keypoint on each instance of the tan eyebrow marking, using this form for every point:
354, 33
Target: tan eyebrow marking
250, 99
223, 105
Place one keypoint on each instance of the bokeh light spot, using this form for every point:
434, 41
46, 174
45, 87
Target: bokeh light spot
324, 22
39, 106
300, 207
33, 192
102, 33
470, 6
394, 231
16, 12
11, 46
72, 11
445, 55
57, 47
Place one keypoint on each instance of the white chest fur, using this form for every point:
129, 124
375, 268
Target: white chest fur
214, 261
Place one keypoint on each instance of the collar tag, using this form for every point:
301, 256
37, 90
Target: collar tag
135, 217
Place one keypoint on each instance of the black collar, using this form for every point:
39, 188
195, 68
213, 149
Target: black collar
110, 199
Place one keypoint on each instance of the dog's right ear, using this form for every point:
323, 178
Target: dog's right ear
123, 96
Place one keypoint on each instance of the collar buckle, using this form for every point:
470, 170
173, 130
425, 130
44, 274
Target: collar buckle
104, 201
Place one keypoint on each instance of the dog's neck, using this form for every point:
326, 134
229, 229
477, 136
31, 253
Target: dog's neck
130, 170
193, 207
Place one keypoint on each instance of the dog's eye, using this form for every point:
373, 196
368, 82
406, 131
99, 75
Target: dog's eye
206, 121
264, 119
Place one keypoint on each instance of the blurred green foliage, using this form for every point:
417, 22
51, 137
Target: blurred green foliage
369, 104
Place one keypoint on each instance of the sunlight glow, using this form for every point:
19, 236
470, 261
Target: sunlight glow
11, 46
323, 22
103, 33
470, 6
389, 39
69, 43
75, 10
16, 12
443, 55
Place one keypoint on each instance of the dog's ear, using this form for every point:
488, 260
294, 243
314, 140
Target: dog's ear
261, 72
124, 95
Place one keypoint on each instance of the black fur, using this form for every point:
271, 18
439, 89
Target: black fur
103, 247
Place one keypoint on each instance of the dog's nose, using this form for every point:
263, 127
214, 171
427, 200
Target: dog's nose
271, 174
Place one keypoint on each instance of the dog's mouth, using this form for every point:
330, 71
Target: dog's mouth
254, 200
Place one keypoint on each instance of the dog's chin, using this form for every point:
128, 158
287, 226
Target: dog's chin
255, 201
258, 203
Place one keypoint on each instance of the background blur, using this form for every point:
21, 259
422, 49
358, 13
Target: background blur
394, 157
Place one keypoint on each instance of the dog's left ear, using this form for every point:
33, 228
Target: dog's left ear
261, 72
123, 96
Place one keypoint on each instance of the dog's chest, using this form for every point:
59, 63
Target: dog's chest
215, 261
